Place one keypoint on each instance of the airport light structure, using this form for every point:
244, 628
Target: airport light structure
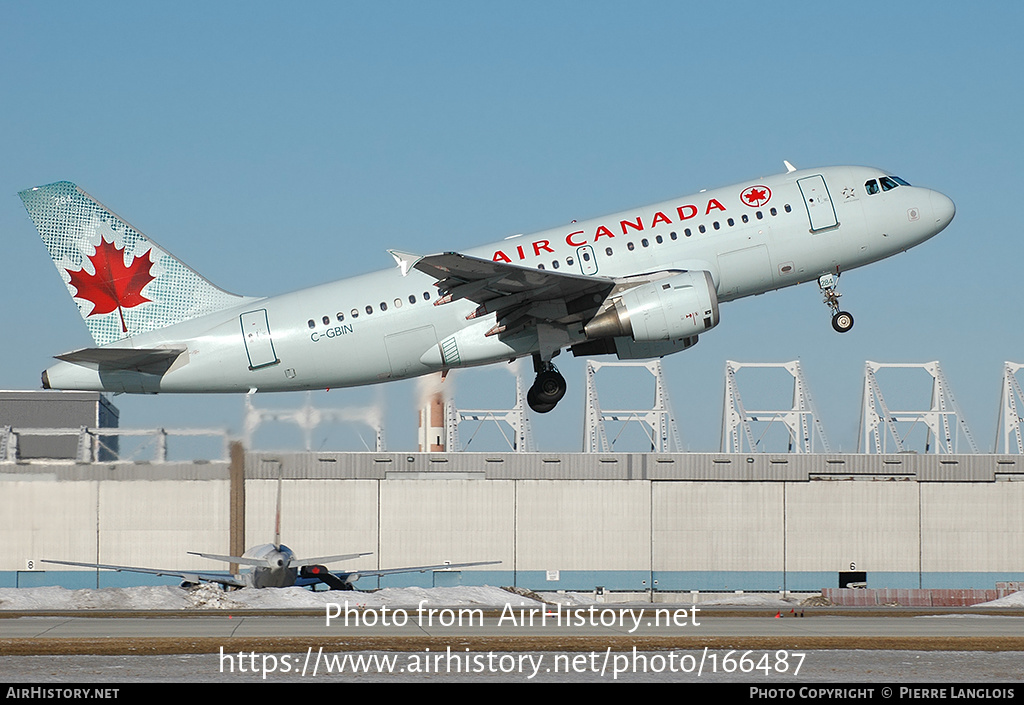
520, 440
944, 422
1011, 402
801, 421
658, 423
309, 417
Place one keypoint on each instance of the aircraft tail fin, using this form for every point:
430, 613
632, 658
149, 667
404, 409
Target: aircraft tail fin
123, 282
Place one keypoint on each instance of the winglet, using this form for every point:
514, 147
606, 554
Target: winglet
405, 260
789, 167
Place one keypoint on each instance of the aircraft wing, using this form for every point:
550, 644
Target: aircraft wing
190, 577
415, 569
521, 296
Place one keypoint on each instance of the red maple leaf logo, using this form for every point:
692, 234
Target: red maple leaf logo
756, 196
113, 286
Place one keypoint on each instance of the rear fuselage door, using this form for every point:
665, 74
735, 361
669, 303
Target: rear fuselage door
820, 211
258, 343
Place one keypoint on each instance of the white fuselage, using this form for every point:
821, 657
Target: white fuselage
384, 326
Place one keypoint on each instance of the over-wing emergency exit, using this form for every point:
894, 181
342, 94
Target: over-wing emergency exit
641, 283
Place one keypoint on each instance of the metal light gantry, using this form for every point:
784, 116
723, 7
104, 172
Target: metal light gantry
944, 421
801, 421
1011, 401
516, 418
308, 417
658, 422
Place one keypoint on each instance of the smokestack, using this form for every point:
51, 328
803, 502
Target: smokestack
432, 430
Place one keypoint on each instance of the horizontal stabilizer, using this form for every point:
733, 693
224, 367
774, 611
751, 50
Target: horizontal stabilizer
150, 360
298, 563
241, 560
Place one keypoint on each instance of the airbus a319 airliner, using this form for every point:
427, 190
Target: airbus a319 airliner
642, 283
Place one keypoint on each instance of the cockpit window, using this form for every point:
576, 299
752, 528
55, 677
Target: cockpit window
900, 181
887, 183
871, 187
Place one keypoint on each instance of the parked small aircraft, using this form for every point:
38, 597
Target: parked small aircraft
275, 565
637, 284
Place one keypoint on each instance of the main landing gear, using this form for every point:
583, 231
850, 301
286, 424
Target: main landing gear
548, 388
842, 321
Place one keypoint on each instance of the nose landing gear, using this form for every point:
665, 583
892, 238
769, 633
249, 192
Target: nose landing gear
548, 388
842, 321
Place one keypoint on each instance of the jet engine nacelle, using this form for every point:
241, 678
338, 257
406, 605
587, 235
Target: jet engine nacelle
671, 308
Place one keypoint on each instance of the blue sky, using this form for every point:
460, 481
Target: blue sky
276, 146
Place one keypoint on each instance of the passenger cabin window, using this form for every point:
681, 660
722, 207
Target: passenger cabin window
341, 316
871, 187
312, 323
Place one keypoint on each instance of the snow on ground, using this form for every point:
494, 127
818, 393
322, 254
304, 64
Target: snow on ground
751, 600
209, 597
1013, 600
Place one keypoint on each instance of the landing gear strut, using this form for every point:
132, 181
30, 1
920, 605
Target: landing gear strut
548, 388
842, 321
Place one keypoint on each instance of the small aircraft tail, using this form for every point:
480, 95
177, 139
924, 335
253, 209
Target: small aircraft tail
123, 282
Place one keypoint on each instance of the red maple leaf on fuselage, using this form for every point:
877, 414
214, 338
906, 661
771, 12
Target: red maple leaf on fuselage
755, 196
113, 286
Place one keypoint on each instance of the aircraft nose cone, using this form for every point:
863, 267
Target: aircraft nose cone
943, 209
